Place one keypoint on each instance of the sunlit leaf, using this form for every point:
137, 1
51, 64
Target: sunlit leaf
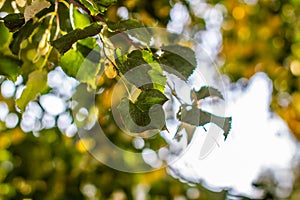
9, 66
79, 19
37, 83
156, 72
64, 43
5, 36
71, 62
180, 58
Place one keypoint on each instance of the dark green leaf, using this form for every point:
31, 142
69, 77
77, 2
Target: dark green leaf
98, 6
149, 98
144, 72
124, 25
21, 35
64, 43
14, 21
37, 83
132, 60
145, 113
139, 31
197, 117
180, 58
9, 66
207, 91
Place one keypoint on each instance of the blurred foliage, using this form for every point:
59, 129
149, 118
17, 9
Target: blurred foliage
265, 37
46, 164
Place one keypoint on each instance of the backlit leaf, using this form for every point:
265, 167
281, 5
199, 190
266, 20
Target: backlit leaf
180, 58
37, 83
71, 61
207, 91
9, 66
197, 117
79, 19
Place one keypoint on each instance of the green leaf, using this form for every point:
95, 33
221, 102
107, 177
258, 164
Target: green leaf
87, 73
37, 83
149, 98
64, 43
24, 33
98, 6
124, 25
145, 72
79, 20
156, 72
207, 91
132, 60
9, 66
145, 113
180, 58
14, 21
5, 36
140, 32
71, 62
197, 117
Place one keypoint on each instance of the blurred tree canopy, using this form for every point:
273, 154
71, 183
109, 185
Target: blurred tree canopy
42, 161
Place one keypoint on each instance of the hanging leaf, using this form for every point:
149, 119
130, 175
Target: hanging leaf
207, 91
97, 7
14, 21
124, 25
78, 20
156, 72
146, 73
9, 66
145, 113
64, 43
37, 83
150, 97
87, 73
24, 33
140, 32
180, 58
197, 117
71, 61
5, 36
